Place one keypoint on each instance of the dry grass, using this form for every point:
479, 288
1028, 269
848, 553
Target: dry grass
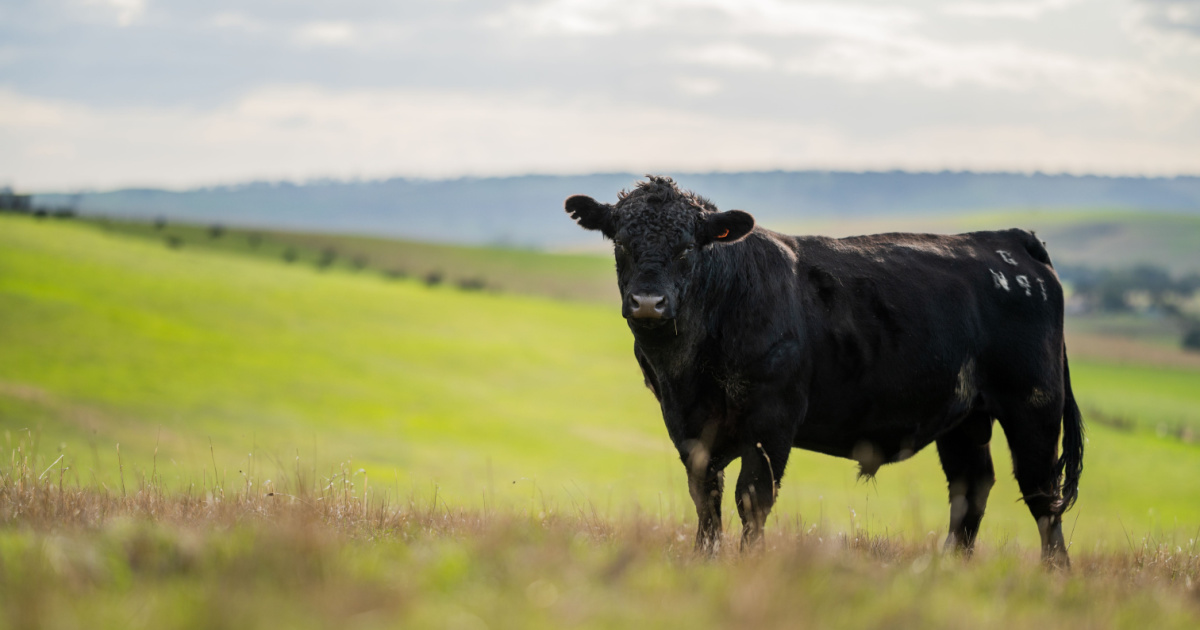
327, 552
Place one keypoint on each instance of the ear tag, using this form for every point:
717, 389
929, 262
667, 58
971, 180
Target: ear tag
723, 233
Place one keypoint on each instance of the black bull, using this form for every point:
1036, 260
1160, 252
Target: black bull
868, 348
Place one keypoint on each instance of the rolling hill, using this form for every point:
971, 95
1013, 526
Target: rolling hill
524, 211
203, 363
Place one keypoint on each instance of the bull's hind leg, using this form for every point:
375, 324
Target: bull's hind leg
967, 459
1033, 433
758, 486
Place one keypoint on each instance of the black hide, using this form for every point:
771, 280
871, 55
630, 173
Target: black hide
869, 348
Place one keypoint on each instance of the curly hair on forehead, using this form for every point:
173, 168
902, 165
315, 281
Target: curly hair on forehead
663, 189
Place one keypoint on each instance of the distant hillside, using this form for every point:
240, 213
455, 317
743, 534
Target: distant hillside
526, 211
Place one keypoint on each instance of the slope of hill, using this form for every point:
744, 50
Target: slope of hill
200, 361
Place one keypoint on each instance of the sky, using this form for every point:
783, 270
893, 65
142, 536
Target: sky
98, 94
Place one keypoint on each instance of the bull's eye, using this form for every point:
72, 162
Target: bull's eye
687, 249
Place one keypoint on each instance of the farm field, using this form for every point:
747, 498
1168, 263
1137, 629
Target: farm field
223, 362
220, 375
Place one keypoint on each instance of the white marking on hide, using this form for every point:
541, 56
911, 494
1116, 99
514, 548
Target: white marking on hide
1039, 397
698, 457
958, 510
1023, 282
999, 279
1007, 257
1042, 284
964, 390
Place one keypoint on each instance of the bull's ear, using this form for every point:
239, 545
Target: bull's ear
590, 214
726, 227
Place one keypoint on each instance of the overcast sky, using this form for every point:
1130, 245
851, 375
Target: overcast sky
106, 93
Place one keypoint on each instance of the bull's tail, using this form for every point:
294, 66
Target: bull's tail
1070, 463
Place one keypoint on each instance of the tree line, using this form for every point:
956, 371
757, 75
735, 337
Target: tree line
1142, 289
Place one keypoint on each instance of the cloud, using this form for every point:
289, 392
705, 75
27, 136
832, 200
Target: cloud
731, 55
326, 33
208, 91
126, 11
235, 21
1174, 17
1015, 10
298, 132
1003, 67
698, 86
864, 44
764, 17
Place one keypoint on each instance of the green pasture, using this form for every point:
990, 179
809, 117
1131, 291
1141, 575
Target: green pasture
201, 364
557, 275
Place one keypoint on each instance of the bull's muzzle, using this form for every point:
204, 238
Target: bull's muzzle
647, 306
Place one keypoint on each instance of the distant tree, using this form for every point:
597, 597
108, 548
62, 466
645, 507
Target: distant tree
1112, 297
433, 278
290, 255
174, 242
359, 262
1154, 280
1191, 338
1189, 284
472, 284
215, 230
254, 239
160, 222
1110, 289
327, 257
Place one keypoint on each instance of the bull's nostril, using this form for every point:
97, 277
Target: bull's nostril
660, 306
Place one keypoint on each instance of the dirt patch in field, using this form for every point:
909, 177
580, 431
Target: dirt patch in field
1122, 350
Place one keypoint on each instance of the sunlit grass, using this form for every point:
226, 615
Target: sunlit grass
316, 551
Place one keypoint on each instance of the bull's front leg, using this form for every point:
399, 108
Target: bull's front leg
706, 483
758, 486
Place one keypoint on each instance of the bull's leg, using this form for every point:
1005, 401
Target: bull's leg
706, 484
758, 486
967, 460
1033, 439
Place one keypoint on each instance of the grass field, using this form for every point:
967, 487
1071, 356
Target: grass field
558, 275
316, 556
488, 397
218, 373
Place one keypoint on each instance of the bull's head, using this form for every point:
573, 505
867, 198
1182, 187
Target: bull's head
660, 236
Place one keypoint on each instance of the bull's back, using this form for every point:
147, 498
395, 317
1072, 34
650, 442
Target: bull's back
908, 331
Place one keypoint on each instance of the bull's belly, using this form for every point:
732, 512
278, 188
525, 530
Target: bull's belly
873, 443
